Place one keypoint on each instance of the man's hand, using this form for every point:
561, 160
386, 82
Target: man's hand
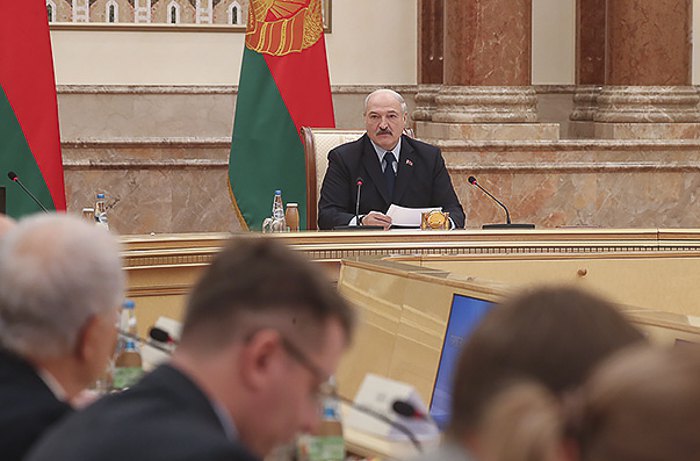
375, 218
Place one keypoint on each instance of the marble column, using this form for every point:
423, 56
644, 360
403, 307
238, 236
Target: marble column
431, 32
648, 91
590, 66
487, 92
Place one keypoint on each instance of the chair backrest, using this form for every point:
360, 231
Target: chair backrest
317, 143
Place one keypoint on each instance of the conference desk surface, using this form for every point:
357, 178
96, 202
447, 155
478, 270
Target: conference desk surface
162, 268
331, 247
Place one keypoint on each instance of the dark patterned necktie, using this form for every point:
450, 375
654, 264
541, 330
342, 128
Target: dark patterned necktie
389, 175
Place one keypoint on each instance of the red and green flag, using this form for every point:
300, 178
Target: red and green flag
29, 138
283, 86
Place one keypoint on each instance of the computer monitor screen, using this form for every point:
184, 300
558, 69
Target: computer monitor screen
465, 314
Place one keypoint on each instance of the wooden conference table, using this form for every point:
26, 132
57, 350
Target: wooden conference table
655, 268
655, 273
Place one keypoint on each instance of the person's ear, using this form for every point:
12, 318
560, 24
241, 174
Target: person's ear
259, 358
86, 348
91, 351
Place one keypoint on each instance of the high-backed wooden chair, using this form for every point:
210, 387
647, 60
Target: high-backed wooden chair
317, 143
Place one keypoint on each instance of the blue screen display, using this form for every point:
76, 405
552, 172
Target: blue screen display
465, 315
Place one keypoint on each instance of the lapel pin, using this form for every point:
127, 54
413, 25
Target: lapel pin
409, 162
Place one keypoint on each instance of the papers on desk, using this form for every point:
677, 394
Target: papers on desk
378, 395
407, 217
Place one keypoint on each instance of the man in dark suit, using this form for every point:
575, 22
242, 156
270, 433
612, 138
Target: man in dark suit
394, 169
263, 332
61, 283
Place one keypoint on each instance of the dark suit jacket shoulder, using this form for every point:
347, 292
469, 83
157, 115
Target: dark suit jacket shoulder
27, 407
164, 417
422, 181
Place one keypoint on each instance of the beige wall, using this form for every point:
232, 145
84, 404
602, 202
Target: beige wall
373, 42
553, 42
365, 47
146, 58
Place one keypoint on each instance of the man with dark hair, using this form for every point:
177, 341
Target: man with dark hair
263, 332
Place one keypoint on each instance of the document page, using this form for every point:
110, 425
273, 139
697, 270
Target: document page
407, 217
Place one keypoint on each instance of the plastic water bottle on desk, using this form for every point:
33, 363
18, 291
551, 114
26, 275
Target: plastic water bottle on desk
101, 211
327, 443
277, 222
128, 366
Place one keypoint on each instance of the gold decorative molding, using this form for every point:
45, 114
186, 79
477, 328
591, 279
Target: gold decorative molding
180, 250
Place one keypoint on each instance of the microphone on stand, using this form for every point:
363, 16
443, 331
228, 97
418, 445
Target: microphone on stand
14, 178
407, 410
161, 336
385, 419
508, 224
359, 181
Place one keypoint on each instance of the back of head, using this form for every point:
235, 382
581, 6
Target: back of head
551, 336
259, 283
56, 271
521, 423
643, 404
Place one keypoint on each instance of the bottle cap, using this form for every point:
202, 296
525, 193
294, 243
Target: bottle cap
278, 192
128, 304
292, 204
100, 195
329, 413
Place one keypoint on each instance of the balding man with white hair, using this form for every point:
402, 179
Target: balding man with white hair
395, 169
61, 283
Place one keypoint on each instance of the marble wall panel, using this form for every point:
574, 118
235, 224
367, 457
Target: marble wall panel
488, 42
590, 42
554, 106
431, 24
161, 183
159, 201
613, 184
608, 184
111, 112
648, 42
117, 111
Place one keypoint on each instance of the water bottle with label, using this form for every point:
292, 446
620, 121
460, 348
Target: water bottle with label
276, 223
279, 224
128, 366
101, 211
327, 443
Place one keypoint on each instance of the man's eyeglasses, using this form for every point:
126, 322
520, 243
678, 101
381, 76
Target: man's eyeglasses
325, 388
